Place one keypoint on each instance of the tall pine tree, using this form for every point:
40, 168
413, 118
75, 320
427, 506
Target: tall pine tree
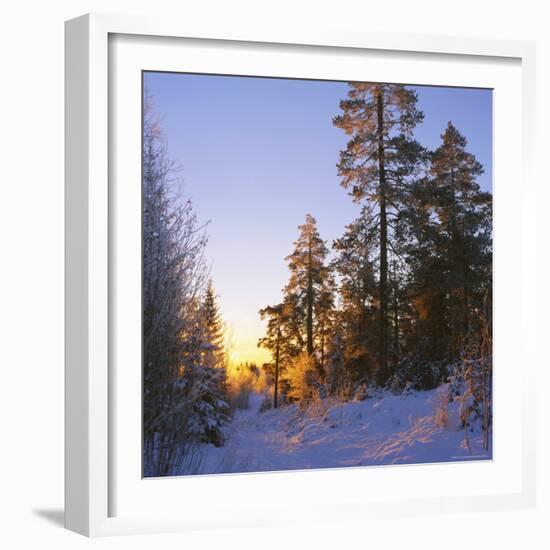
464, 214
375, 165
308, 276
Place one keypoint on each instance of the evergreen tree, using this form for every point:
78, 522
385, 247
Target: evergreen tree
173, 268
375, 165
274, 342
336, 365
302, 321
183, 404
214, 330
308, 276
212, 406
464, 214
358, 293
324, 323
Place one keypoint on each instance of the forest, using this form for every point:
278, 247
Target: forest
381, 342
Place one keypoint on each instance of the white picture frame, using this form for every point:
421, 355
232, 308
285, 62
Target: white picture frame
99, 499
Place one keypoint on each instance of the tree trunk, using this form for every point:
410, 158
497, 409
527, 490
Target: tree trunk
323, 346
383, 372
309, 298
395, 327
276, 390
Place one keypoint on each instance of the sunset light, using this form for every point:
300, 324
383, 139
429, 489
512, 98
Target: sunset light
317, 274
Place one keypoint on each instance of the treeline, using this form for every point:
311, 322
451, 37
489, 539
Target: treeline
403, 297
184, 362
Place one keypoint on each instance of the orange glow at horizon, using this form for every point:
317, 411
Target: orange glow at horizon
242, 333
244, 349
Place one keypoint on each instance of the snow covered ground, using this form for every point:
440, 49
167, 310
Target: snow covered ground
384, 429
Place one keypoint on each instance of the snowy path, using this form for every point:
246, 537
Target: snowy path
384, 430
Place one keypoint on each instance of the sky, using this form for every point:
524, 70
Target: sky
258, 154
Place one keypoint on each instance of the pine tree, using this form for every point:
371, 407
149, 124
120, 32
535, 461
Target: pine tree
308, 276
302, 321
273, 341
424, 329
354, 266
214, 330
375, 165
464, 239
336, 365
212, 406
324, 323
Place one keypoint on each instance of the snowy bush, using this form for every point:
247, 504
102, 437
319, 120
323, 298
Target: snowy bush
301, 377
418, 374
361, 392
441, 416
336, 366
183, 374
211, 411
470, 383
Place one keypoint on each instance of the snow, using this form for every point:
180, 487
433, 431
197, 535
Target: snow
382, 430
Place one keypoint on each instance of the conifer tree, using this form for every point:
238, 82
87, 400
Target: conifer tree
354, 266
183, 401
302, 321
324, 323
214, 330
336, 364
173, 275
464, 239
308, 275
375, 165
274, 342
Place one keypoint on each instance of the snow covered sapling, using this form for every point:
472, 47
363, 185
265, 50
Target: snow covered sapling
210, 411
301, 377
472, 378
361, 392
336, 365
441, 416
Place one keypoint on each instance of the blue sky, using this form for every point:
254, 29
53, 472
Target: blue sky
257, 154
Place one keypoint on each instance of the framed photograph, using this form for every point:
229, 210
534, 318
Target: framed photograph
293, 287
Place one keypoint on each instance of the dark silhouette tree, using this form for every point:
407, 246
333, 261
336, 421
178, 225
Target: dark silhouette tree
464, 238
378, 159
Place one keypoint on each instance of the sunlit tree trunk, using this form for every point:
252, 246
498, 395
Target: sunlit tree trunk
309, 320
277, 359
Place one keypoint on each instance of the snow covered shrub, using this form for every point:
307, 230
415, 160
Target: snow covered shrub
455, 380
418, 373
210, 410
441, 415
300, 375
361, 392
336, 368
183, 373
471, 382
476, 401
